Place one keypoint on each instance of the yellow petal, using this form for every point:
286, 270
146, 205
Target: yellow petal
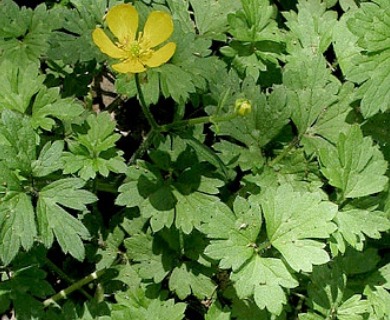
158, 28
106, 46
123, 22
129, 66
161, 56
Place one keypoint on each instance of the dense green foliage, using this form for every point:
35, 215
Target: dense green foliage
154, 196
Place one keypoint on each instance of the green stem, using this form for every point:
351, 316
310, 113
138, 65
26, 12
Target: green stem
195, 121
285, 152
64, 276
76, 286
143, 147
145, 109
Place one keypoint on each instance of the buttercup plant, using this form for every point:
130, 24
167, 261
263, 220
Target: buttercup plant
194, 159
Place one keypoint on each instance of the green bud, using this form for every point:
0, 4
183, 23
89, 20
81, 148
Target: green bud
243, 107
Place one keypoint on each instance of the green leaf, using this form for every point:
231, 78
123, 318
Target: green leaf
191, 278
71, 40
235, 234
351, 261
155, 261
331, 121
328, 295
377, 127
95, 151
320, 105
257, 44
293, 219
18, 85
353, 309
18, 142
311, 27
54, 220
17, 224
21, 88
255, 22
372, 66
356, 167
49, 159
136, 306
24, 33
355, 224
268, 116
345, 44
248, 310
180, 194
326, 289
191, 209
211, 17
295, 169
176, 83
379, 299
381, 277
216, 312
264, 279
24, 290
48, 104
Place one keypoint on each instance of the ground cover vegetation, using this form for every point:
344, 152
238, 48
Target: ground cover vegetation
195, 159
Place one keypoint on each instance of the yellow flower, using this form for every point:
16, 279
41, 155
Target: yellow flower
136, 53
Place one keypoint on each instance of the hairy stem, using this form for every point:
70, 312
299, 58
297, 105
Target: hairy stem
75, 286
64, 276
145, 109
195, 121
284, 153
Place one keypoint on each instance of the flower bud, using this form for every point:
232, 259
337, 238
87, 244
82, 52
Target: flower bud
243, 107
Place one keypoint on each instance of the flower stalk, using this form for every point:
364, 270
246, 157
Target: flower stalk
145, 109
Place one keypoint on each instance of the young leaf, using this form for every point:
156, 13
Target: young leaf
356, 167
95, 151
293, 219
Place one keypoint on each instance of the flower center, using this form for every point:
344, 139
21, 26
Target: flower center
138, 49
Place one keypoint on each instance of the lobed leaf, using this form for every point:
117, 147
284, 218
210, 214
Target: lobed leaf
356, 167
293, 219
